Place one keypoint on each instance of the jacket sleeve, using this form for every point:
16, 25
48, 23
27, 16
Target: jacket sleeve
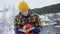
38, 25
16, 24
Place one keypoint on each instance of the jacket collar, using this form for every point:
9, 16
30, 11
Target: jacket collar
29, 14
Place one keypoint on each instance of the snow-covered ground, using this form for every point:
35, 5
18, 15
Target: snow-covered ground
51, 23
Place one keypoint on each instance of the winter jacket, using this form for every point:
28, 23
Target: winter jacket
31, 18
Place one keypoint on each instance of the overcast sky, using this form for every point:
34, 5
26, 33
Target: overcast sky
32, 3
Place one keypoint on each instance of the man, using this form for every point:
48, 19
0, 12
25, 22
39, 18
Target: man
26, 17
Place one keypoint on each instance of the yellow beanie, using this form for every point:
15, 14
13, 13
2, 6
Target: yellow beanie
23, 7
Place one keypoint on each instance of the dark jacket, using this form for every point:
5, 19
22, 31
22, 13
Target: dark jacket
31, 18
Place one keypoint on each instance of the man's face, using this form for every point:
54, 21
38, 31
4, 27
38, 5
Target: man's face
25, 13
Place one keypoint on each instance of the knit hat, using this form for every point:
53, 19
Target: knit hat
23, 6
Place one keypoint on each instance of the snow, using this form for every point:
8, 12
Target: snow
8, 11
7, 20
